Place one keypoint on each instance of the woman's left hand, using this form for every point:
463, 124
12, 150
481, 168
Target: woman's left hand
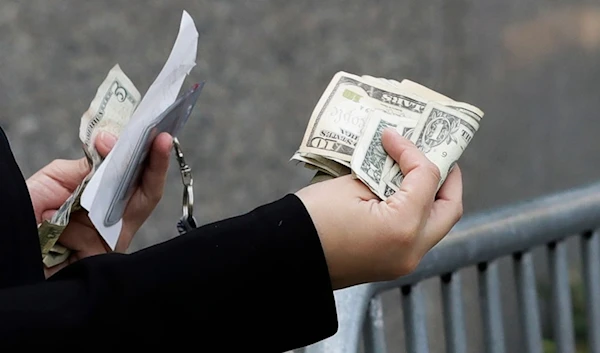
50, 187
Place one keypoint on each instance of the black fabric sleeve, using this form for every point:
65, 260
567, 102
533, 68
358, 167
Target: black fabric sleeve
258, 282
20, 261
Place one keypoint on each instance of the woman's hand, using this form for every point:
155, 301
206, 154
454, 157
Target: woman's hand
52, 185
366, 239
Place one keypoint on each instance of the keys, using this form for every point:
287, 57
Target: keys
187, 221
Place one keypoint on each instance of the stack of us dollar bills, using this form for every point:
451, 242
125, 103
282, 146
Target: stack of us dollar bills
345, 129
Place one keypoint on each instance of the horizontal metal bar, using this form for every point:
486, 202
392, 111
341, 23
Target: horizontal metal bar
478, 238
528, 304
562, 314
590, 248
491, 307
454, 319
493, 234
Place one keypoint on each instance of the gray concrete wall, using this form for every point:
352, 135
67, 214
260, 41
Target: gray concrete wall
531, 66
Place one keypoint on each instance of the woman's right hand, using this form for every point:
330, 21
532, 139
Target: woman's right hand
366, 239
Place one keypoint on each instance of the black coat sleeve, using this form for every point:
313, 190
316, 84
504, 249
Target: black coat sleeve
257, 282
20, 261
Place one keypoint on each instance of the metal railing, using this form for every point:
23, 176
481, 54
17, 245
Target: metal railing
480, 241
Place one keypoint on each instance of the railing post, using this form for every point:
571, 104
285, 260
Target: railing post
414, 319
374, 327
491, 307
351, 304
454, 318
480, 240
590, 249
528, 304
561, 313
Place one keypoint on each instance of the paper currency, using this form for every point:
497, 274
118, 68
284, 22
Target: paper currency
329, 166
369, 159
116, 100
341, 115
442, 134
345, 128
103, 197
115, 104
110, 110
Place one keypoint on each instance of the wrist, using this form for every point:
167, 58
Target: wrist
328, 244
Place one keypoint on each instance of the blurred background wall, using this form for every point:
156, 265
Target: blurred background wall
532, 66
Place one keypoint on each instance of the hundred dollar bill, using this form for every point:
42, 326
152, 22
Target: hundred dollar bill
442, 134
110, 110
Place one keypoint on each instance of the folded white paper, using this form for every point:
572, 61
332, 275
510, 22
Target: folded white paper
104, 185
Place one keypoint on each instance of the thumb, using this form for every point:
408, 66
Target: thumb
47, 215
105, 142
68, 173
421, 176
397, 146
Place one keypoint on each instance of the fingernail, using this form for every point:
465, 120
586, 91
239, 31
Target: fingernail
108, 139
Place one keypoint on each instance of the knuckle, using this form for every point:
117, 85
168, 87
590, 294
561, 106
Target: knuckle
433, 170
83, 163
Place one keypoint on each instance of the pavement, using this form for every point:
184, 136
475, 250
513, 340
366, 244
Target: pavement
531, 66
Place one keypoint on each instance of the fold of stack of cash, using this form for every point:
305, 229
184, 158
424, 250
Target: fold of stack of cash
345, 129
110, 110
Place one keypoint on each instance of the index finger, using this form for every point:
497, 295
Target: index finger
421, 176
446, 211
